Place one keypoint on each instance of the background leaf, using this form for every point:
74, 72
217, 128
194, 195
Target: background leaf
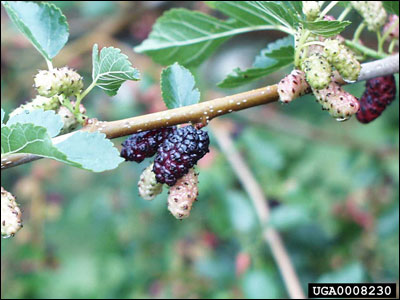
275, 56
47, 119
43, 24
2, 116
178, 87
392, 7
111, 69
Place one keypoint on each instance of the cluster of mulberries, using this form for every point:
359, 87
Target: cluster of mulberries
58, 81
321, 61
183, 194
144, 144
373, 13
177, 150
378, 94
11, 221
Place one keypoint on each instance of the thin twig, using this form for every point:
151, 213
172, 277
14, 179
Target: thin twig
198, 113
255, 192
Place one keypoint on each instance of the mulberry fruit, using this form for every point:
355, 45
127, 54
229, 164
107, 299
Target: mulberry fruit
379, 93
11, 221
318, 71
183, 194
144, 144
148, 186
39, 102
311, 9
292, 86
58, 81
69, 119
340, 104
391, 25
373, 13
180, 152
343, 59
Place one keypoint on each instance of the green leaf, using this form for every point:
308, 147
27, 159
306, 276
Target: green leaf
392, 7
89, 151
241, 212
189, 37
326, 28
285, 13
178, 87
111, 69
47, 119
93, 151
260, 285
289, 216
277, 55
28, 138
43, 24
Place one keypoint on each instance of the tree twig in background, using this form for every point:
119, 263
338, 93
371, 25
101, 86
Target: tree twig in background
255, 192
199, 113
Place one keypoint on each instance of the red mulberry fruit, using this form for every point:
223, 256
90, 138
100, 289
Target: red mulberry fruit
144, 144
379, 93
178, 153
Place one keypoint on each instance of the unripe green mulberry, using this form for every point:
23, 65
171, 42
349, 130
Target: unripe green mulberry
318, 71
373, 13
11, 221
183, 194
311, 9
68, 118
58, 81
340, 104
39, 102
148, 186
343, 59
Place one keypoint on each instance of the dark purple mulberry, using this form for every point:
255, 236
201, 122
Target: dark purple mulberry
178, 153
379, 93
144, 144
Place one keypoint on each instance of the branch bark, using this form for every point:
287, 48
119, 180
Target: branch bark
198, 113
256, 194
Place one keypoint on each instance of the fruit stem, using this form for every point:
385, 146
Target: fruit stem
83, 95
49, 64
387, 33
363, 49
391, 46
359, 30
327, 9
345, 13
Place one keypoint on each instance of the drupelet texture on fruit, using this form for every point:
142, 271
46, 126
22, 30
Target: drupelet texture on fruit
144, 144
180, 152
379, 93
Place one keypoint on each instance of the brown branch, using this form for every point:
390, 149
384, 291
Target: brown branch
256, 194
197, 113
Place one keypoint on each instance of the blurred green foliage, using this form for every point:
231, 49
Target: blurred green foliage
334, 199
